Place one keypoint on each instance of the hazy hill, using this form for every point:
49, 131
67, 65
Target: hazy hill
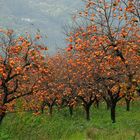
47, 15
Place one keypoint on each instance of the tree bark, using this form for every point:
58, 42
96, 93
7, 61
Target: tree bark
127, 104
50, 110
113, 112
71, 110
107, 105
2, 115
87, 110
1, 118
42, 107
97, 103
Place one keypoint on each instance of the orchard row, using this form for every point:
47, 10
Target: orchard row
101, 62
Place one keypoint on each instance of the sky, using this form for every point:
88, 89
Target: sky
49, 16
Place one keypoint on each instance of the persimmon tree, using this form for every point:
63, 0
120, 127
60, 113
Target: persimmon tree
119, 21
109, 69
19, 58
50, 84
87, 90
70, 83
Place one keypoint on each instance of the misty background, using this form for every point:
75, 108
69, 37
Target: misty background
49, 16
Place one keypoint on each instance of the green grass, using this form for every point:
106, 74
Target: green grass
26, 126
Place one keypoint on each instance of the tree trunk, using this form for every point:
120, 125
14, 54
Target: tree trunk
127, 104
107, 105
113, 114
1, 118
50, 110
42, 107
87, 110
2, 113
71, 110
97, 103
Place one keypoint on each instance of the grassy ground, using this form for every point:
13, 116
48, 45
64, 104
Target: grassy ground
25, 126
